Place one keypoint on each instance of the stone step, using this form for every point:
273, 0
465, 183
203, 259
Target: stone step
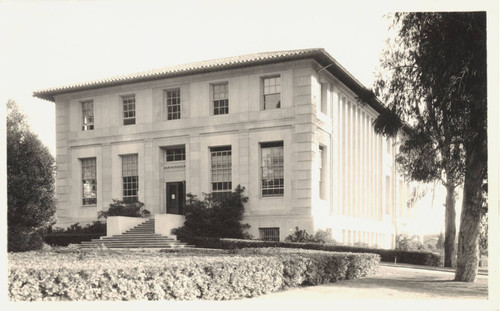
144, 245
137, 244
132, 242
140, 246
140, 236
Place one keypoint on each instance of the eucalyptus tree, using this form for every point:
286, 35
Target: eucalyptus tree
433, 77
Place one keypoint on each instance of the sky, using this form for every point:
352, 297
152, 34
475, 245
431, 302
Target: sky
52, 44
55, 43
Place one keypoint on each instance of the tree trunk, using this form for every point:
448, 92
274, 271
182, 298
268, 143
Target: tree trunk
450, 227
468, 237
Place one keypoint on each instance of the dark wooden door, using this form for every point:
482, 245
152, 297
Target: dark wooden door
176, 197
172, 198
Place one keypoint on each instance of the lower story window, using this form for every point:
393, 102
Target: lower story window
89, 181
220, 158
272, 173
130, 177
269, 234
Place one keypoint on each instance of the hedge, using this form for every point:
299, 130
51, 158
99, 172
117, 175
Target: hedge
387, 255
103, 275
311, 267
64, 239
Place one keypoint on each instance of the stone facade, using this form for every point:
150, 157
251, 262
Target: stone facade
325, 134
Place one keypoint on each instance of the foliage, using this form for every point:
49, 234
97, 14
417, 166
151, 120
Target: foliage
75, 233
105, 275
95, 227
65, 239
301, 236
434, 78
124, 208
214, 216
387, 255
312, 267
30, 184
408, 243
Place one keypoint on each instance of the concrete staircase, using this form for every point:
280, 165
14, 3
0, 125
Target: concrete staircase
141, 236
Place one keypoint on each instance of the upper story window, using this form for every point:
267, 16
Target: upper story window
220, 100
173, 103
220, 158
272, 166
177, 153
89, 181
324, 98
130, 178
87, 115
272, 92
128, 103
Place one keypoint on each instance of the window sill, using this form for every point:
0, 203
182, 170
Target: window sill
272, 197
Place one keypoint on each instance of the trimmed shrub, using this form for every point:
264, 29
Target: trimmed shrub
64, 239
387, 255
75, 234
312, 267
114, 275
124, 208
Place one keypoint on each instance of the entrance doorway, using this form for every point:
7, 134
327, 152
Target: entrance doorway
176, 197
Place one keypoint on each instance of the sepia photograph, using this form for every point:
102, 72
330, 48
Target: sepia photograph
240, 154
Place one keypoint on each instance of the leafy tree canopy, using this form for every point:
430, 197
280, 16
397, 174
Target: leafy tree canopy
434, 79
30, 182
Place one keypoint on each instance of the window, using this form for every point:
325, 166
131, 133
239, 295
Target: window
173, 104
269, 234
128, 109
130, 176
272, 92
324, 98
89, 181
221, 169
321, 172
220, 99
272, 169
87, 115
177, 153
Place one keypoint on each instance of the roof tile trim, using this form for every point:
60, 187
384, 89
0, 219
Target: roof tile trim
219, 63
318, 54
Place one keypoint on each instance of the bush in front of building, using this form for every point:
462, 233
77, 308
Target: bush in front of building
387, 255
75, 234
97, 275
217, 215
320, 236
124, 208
